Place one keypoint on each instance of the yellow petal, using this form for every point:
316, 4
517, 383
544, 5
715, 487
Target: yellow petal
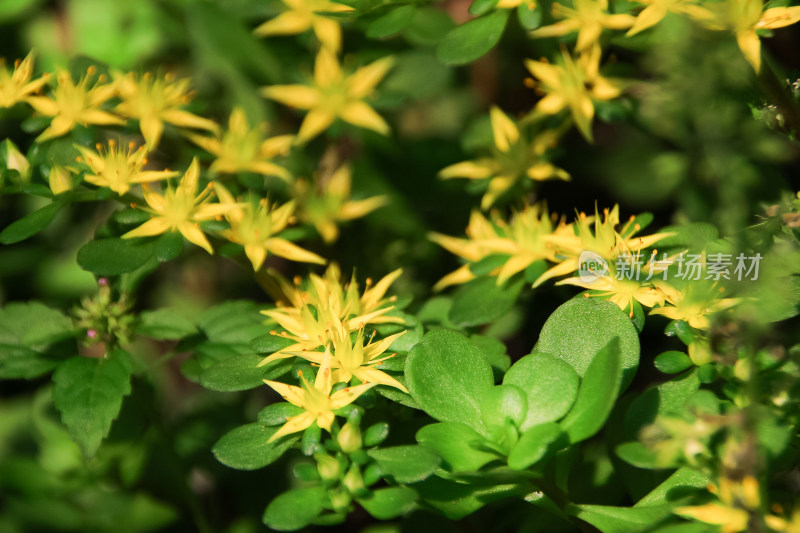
551, 104
287, 23
152, 128
327, 70
154, 226
548, 74
467, 169
348, 395
374, 376
297, 96
751, 47
650, 16
365, 79
360, 114
779, 17
504, 129
359, 208
257, 254
291, 251
293, 425
516, 263
316, 122
461, 275
184, 119
588, 35
555, 30
328, 32
195, 235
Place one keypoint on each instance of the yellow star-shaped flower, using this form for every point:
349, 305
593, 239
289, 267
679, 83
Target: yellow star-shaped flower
328, 202
310, 314
316, 400
573, 85
255, 226
514, 156
17, 86
181, 209
692, 304
334, 95
658, 9
244, 149
744, 18
304, 15
118, 168
588, 17
75, 103
154, 100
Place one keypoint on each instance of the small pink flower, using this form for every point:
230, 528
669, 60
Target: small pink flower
91, 333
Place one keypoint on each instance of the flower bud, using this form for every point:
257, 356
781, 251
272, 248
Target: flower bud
328, 467
349, 438
60, 180
353, 481
15, 160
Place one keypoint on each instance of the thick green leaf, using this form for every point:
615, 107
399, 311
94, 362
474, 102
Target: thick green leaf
389, 502
234, 322
479, 7
111, 257
457, 500
676, 486
534, 444
473, 39
406, 464
637, 454
580, 327
482, 301
610, 519
295, 509
247, 447
164, 324
495, 352
504, 402
241, 372
550, 384
31, 224
529, 17
672, 362
668, 397
392, 22
88, 392
270, 343
460, 446
276, 414
376, 433
447, 376
596, 395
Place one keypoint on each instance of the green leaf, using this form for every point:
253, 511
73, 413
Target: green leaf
666, 398
295, 509
596, 395
675, 486
479, 7
580, 327
473, 39
276, 414
33, 324
247, 447
20, 362
610, 519
673, 362
504, 402
495, 352
31, 224
406, 464
111, 257
392, 22
390, 502
534, 444
529, 18
234, 322
241, 372
447, 376
482, 301
550, 384
457, 500
164, 324
270, 343
376, 433
88, 392
460, 446
638, 455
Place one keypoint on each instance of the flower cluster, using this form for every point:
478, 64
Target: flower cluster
325, 324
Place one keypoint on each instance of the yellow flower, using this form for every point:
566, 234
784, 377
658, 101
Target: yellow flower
693, 304
310, 314
593, 234
573, 85
658, 9
154, 100
17, 87
304, 15
349, 358
511, 4
181, 209
783, 525
72, 104
118, 168
316, 400
737, 500
242, 148
329, 203
588, 18
744, 17
334, 95
620, 291
480, 231
254, 226
514, 156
